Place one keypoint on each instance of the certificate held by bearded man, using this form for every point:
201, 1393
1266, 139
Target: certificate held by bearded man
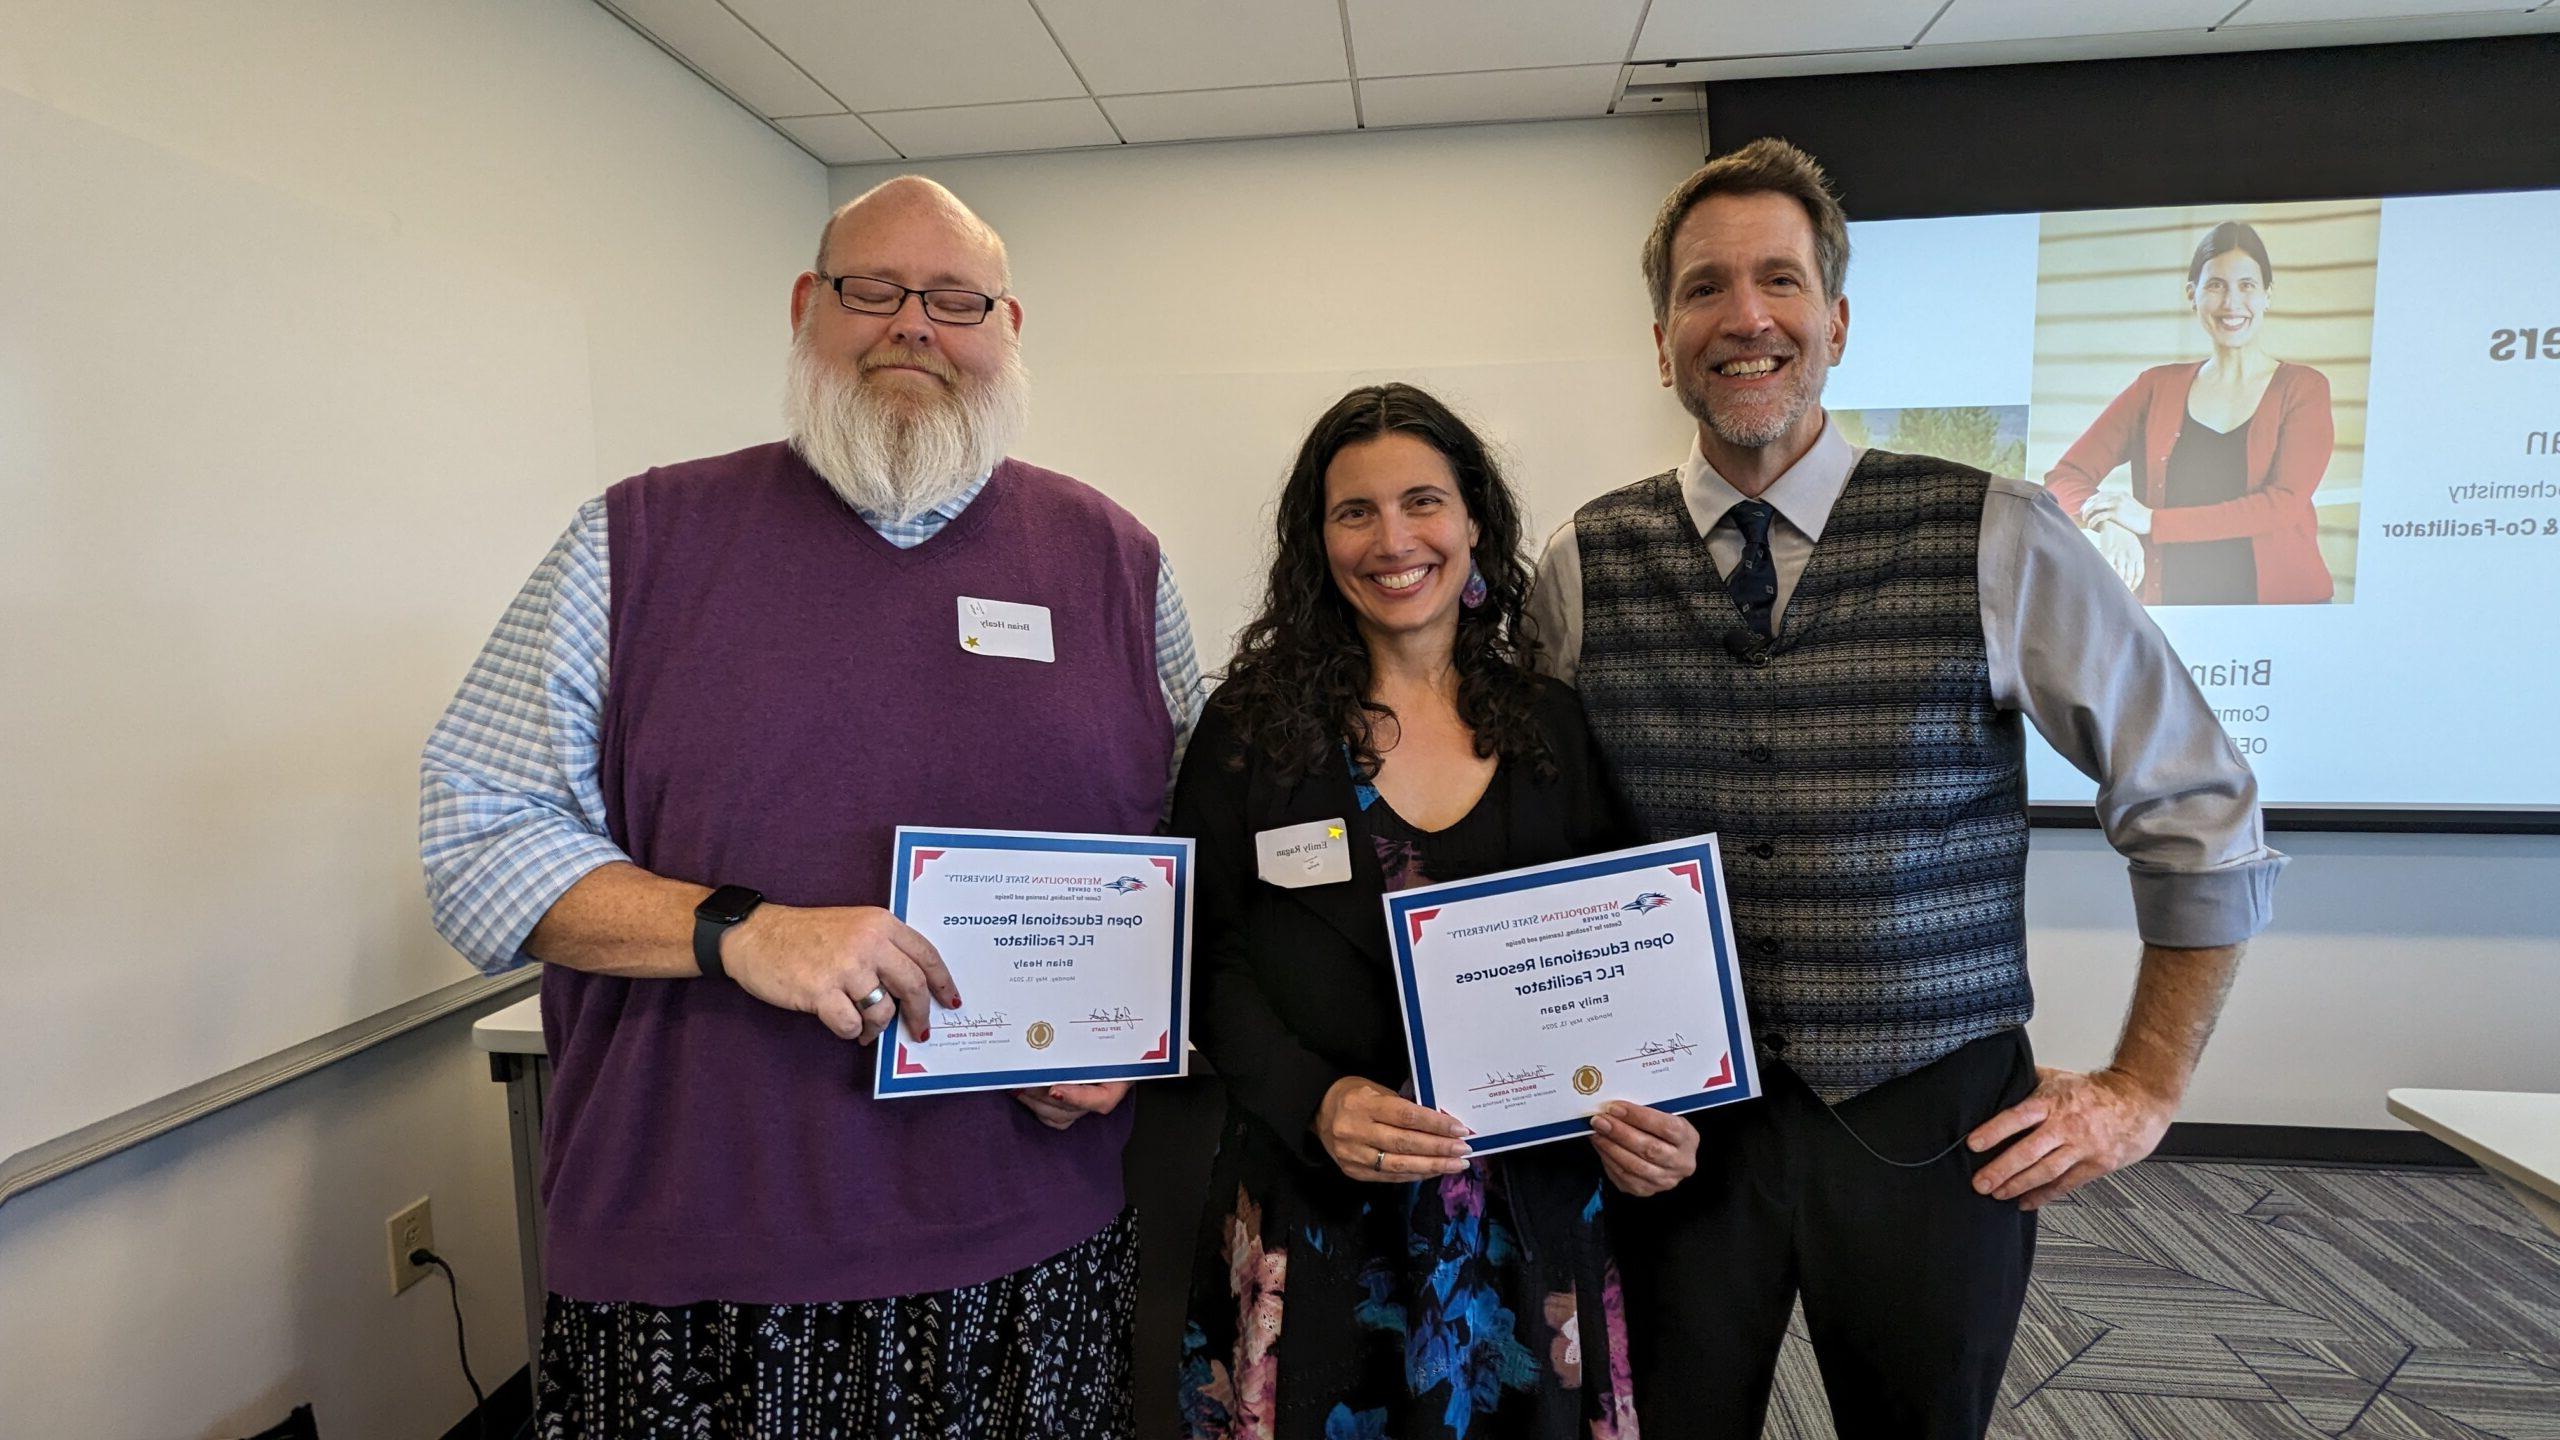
1533, 997
1071, 954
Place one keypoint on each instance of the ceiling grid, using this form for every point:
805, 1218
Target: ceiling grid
914, 79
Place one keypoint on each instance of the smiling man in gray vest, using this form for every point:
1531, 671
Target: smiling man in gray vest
1823, 654
674, 774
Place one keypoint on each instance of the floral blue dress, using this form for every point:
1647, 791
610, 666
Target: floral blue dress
1479, 1306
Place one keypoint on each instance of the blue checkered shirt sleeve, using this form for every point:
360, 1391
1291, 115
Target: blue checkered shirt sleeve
1177, 666
510, 807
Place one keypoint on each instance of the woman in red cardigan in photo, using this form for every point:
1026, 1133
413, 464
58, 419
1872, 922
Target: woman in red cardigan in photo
2225, 454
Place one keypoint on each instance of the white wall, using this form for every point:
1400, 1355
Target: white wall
1191, 309
205, 1283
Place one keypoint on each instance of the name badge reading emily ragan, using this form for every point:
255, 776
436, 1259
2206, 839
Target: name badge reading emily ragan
1318, 853
1000, 627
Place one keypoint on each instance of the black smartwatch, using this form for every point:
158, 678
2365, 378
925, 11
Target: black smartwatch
720, 910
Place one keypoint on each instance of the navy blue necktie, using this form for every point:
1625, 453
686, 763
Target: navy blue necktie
1754, 581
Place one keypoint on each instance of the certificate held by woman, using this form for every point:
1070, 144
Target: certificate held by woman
1071, 954
1535, 996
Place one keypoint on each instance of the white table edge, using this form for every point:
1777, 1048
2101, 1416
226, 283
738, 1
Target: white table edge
2540, 1189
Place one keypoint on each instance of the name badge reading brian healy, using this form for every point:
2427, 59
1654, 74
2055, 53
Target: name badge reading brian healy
1001, 627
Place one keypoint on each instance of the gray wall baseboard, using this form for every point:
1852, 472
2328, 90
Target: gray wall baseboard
2308, 1145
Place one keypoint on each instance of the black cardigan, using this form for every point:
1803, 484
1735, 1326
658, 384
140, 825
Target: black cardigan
1295, 986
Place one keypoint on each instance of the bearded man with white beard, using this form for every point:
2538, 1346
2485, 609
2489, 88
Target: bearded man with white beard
673, 776
1822, 654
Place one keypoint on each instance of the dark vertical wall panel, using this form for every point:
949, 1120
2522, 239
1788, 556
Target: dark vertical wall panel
2198, 129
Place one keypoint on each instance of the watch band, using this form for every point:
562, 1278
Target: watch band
719, 912
706, 945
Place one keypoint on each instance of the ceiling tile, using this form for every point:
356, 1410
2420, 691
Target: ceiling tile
2294, 12
1559, 94
1431, 37
992, 129
838, 139
1126, 47
1227, 114
903, 54
1972, 21
1710, 29
721, 46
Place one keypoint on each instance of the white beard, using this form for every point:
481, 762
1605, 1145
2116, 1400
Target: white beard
898, 456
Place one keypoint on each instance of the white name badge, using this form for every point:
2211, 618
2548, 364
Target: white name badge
1000, 627
1298, 855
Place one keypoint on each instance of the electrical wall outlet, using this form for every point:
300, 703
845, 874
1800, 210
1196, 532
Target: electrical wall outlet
414, 1228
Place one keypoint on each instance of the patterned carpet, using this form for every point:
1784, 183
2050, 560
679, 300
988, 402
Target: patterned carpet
2191, 1301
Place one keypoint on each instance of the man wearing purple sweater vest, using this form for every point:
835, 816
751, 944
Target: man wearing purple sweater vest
741, 1241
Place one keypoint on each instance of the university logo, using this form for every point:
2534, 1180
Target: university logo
1646, 901
1127, 885
1040, 1034
1586, 1079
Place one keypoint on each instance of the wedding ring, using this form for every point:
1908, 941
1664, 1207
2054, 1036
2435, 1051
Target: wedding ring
878, 994
1379, 1164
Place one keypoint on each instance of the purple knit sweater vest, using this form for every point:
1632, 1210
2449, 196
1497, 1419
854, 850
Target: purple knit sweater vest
785, 687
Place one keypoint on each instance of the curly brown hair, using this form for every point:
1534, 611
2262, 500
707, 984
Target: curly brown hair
1297, 690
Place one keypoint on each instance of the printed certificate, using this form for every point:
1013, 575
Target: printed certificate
1534, 996
1072, 954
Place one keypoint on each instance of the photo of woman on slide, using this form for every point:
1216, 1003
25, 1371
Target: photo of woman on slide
2225, 454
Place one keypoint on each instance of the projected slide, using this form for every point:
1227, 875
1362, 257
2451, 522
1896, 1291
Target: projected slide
2320, 441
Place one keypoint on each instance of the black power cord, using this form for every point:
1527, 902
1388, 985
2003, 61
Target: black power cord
461, 1342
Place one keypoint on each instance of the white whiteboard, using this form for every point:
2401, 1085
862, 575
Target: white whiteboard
268, 473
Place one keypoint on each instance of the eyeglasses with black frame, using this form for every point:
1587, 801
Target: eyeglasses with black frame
871, 295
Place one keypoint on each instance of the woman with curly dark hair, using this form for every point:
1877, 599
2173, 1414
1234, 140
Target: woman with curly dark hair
1359, 1273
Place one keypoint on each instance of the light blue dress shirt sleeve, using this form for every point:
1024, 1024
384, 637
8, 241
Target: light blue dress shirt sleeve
2074, 650
511, 809
1177, 667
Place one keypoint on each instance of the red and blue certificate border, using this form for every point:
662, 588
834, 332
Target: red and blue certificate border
1693, 861
900, 1073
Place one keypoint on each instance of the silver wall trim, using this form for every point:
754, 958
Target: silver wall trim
92, 1143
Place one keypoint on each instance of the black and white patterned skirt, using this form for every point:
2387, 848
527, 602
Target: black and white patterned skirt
1041, 1352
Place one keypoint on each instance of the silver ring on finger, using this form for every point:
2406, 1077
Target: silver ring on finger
1379, 1164
878, 994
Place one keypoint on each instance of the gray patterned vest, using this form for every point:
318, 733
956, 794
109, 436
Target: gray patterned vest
1869, 798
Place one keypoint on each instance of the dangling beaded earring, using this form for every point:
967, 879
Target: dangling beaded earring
1473, 596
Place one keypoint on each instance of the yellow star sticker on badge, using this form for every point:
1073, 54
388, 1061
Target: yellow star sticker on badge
1333, 832
970, 641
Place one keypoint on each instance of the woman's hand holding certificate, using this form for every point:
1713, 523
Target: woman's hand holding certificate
1644, 1151
1534, 998
1374, 1134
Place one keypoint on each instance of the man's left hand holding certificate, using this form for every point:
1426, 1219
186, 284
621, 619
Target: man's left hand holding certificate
1071, 953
